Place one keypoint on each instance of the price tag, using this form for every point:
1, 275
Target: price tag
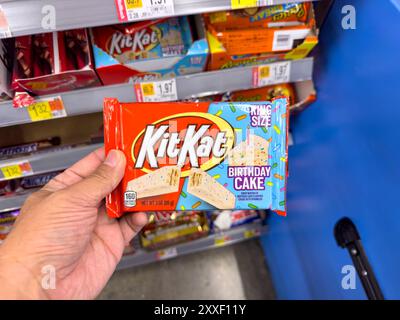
271, 74
238, 4
5, 31
222, 240
16, 170
131, 10
251, 234
156, 91
46, 109
167, 253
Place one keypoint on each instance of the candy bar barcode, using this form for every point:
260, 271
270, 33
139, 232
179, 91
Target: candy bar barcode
282, 40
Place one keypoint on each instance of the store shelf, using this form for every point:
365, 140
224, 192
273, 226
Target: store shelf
8, 203
25, 16
228, 237
50, 161
200, 84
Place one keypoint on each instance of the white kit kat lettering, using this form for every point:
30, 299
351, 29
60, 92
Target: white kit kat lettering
136, 42
158, 143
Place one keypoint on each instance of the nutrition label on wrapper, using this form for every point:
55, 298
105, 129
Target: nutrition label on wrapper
131, 10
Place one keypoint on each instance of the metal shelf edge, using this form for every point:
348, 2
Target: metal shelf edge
234, 235
91, 100
50, 161
32, 16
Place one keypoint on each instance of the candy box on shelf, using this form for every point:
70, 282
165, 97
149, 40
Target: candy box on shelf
147, 50
170, 228
6, 49
280, 15
198, 155
237, 47
53, 62
263, 93
299, 94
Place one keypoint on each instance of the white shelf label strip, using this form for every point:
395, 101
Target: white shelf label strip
156, 91
133, 10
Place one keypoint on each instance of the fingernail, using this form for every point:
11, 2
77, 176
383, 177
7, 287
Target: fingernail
112, 158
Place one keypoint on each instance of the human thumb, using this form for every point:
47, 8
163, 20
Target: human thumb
94, 188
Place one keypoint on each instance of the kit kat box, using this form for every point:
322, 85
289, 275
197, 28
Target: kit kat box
198, 155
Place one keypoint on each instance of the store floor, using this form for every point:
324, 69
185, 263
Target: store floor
233, 272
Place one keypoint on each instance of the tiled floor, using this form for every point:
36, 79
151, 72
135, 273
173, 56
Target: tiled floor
232, 272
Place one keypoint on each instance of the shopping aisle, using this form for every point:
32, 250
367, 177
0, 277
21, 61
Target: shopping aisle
233, 272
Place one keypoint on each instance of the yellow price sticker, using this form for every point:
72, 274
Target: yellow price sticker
39, 111
148, 89
220, 241
12, 171
249, 234
238, 4
133, 4
264, 72
167, 253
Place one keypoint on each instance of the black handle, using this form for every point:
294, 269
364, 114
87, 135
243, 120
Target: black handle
347, 236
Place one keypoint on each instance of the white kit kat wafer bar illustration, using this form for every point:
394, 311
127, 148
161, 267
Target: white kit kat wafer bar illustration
161, 181
251, 152
206, 188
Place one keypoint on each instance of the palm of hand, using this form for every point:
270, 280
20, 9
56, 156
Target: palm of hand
77, 239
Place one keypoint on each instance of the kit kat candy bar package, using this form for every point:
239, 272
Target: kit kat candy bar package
198, 155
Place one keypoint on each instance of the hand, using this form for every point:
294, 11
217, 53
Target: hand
64, 227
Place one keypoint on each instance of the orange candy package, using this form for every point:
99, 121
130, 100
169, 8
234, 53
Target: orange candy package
282, 15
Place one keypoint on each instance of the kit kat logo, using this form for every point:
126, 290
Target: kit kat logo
188, 140
136, 43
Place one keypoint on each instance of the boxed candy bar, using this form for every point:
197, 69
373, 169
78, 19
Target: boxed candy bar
6, 47
147, 50
246, 43
198, 156
281, 15
53, 62
263, 93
